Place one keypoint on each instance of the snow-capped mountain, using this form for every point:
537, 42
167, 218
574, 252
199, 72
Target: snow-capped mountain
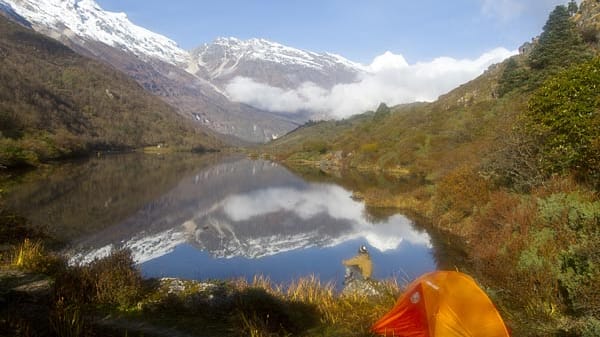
153, 60
86, 20
270, 63
196, 82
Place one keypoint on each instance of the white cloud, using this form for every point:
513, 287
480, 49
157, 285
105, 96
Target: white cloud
389, 78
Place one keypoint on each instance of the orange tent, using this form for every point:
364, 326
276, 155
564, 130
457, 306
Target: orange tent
442, 304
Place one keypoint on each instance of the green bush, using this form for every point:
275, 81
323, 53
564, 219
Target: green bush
532, 260
319, 146
577, 252
591, 327
564, 113
461, 191
12, 154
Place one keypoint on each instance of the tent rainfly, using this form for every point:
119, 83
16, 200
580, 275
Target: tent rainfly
442, 304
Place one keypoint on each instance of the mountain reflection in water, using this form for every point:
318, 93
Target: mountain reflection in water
237, 217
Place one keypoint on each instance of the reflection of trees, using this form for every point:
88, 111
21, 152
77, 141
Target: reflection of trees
375, 215
363, 182
449, 250
355, 180
81, 198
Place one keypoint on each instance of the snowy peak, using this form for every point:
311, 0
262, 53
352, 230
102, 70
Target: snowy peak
260, 49
85, 19
226, 58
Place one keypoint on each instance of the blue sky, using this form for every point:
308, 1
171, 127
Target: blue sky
359, 30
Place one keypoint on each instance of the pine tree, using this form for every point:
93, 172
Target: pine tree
560, 44
513, 76
572, 7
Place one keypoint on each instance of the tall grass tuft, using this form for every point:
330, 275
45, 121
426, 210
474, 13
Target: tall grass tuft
265, 283
67, 319
311, 291
31, 255
28, 254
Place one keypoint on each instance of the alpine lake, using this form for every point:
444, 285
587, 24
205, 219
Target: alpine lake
212, 216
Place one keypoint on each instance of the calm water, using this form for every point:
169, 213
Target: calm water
207, 217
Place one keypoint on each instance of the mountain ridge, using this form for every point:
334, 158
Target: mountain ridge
257, 58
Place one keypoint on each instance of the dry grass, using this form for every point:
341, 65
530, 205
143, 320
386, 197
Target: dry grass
31, 255
308, 307
28, 254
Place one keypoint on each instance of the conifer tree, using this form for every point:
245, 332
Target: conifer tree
559, 44
512, 77
572, 7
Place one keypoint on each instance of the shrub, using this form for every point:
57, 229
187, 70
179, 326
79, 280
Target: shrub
116, 279
319, 146
543, 252
113, 280
534, 259
514, 161
369, 148
460, 191
591, 327
564, 115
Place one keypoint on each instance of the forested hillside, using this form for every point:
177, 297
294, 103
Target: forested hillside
55, 103
510, 162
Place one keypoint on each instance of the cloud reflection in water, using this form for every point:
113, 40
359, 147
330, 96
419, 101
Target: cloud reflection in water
332, 200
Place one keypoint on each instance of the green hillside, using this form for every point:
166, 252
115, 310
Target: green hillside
509, 162
55, 103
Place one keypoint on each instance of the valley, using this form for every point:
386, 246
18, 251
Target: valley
242, 155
